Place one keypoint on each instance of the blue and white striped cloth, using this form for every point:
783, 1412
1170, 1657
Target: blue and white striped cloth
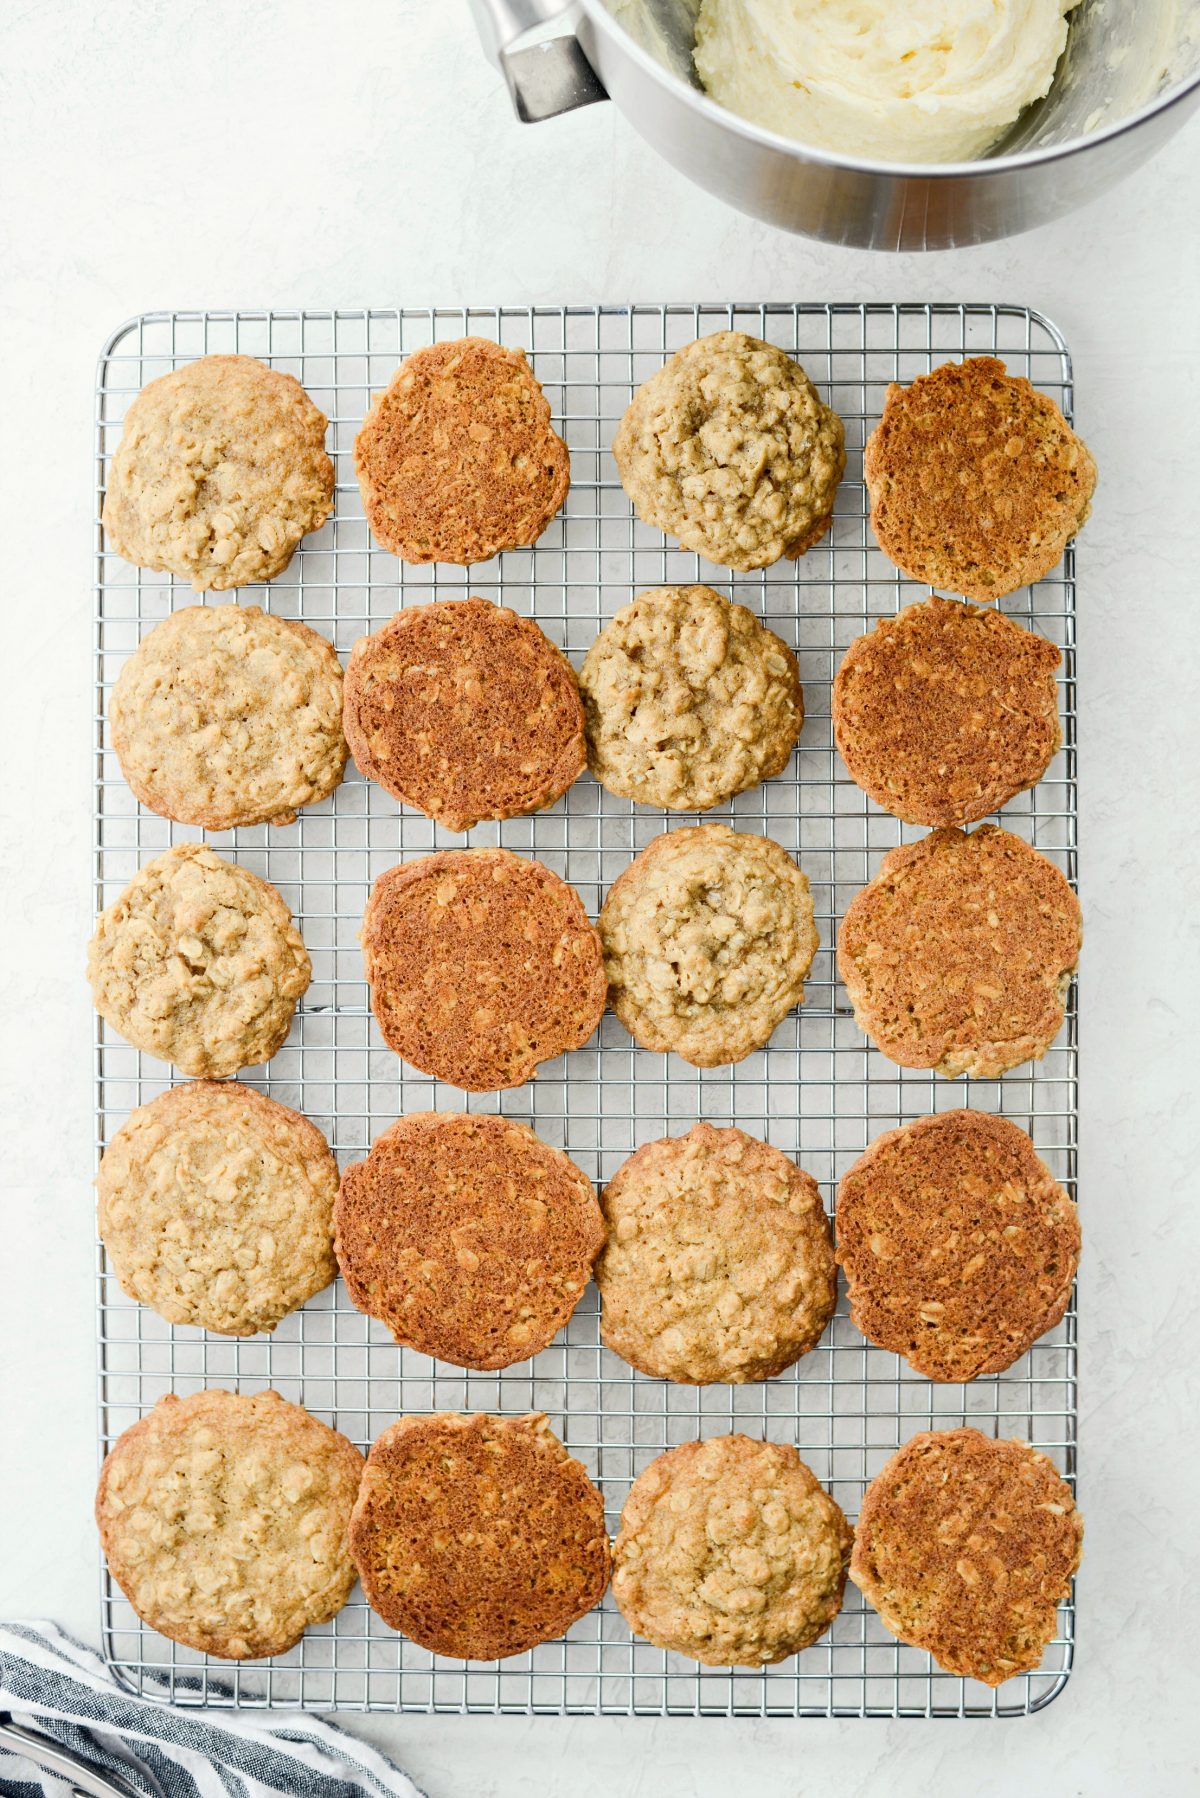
55, 1685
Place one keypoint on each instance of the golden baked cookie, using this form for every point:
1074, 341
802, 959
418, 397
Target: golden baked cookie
708, 936
482, 964
719, 1262
731, 1552
945, 712
730, 449
227, 715
458, 460
958, 1244
465, 710
959, 954
225, 1519
216, 1207
689, 700
221, 469
977, 483
965, 1546
480, 1536
471, 1239
199, 963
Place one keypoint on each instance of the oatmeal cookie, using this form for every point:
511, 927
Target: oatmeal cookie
945, 712
731, 1552
958, 1244
708, 936
458, 460
216, 1207
966, 1546
220, 471
729, 449
465, 710
689, 700
470, 1238
225, 1519
481, 964
977, 483
479, 1537
199, 963
959, 954
719, 1263
227, 715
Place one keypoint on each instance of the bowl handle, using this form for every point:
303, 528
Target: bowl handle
81, 1778
546, 72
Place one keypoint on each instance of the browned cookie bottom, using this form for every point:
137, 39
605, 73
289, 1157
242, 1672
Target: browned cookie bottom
482, 964
468, 1236
480, 1536
466, 711
966, 1546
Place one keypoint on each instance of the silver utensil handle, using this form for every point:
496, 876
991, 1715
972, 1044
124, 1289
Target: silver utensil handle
546, 71
43, 1753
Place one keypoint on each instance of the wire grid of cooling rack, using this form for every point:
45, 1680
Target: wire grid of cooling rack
817, 1090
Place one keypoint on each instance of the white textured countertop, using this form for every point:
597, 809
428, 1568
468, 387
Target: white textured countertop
303, 153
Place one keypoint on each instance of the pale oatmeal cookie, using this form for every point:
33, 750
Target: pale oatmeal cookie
227, 715
225, 1519
216, 1207
719, 1263
689, 700
220, 471
199, 963
731, 1552
708, 936
730, 449
966, 1545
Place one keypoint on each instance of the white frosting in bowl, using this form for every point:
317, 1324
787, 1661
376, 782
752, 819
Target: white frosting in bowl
886, 80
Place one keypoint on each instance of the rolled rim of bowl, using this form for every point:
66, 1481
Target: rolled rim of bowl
599, 16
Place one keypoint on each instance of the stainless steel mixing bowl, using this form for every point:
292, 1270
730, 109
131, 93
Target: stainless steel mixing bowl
1129, 77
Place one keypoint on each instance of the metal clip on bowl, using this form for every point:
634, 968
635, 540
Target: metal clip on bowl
533, 44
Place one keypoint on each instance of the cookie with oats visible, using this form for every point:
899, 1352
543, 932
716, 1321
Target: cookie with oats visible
959, 954
481, 964
708, 936
468, 1236
457, 459
946, 711
199, 963
730, 449
977, 483
465, 710
719, 1262
731, 1552
216, 1207
966, 1545
225, 1521
220, 471
479, 1537
228, 715
689, 700
958, 1244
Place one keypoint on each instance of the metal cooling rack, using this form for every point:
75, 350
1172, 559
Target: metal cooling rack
817, 1091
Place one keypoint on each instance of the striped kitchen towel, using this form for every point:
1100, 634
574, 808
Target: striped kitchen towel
57, 1687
